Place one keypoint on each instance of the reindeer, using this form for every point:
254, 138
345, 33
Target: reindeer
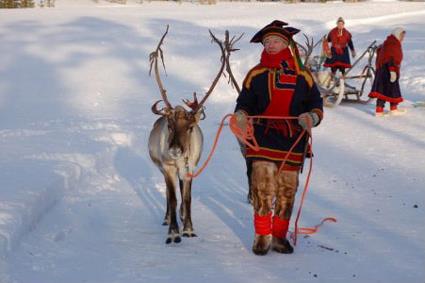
175, 145
307, 49
321, 77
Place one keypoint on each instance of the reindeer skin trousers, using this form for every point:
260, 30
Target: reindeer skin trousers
272, 190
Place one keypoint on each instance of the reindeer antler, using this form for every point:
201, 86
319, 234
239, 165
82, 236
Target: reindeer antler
195, 105
226, 47
229, 47
153, 59
155, 109
308, 48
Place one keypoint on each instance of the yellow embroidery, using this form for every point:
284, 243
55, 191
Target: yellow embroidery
254, 72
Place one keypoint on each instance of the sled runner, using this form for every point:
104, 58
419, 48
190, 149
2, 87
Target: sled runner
354, 88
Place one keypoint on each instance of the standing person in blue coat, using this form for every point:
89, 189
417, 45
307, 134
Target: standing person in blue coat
338, 57
278, 86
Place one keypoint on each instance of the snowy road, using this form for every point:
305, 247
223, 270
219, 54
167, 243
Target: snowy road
75, 90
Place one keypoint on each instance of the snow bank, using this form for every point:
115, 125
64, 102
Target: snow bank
28, 191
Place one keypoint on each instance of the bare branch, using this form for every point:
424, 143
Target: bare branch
153, 59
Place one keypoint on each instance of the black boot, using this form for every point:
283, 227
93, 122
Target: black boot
282, 245
261, 244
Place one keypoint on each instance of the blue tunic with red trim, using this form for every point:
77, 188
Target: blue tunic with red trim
279, 86
389, 57
340, 57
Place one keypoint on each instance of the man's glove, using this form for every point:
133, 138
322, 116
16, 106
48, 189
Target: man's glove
353, 53
393, 76
308, 120
241, 120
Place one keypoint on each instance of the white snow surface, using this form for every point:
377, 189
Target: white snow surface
80, 200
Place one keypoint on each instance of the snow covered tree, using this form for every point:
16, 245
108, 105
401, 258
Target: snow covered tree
10, 4
27, 4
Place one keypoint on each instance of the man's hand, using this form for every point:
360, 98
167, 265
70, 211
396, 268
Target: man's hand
393, 76
353, 53
241, 120
308, 120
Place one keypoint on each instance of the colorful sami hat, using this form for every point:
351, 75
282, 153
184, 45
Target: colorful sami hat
277, 28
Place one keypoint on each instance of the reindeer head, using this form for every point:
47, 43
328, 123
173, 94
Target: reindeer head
307, 50
180, 121
180, 124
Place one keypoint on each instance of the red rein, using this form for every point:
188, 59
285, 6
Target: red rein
248, 139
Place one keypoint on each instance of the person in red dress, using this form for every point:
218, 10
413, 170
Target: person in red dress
338, 57
386, 87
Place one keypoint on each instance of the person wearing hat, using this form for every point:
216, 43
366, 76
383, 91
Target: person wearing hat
278, 86
337, 56
386, 87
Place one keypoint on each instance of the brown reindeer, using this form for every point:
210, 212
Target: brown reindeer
175, 145
307, 49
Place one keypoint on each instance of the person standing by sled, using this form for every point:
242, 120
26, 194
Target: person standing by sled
338, 57
386, 87
278, 86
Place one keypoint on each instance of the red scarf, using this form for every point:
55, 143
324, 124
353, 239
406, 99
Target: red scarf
280, 98
275, 60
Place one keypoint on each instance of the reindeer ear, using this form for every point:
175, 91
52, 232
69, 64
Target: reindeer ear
198, 116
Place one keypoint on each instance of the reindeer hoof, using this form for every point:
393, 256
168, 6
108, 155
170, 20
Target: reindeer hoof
189, 234
173, 238
165, 223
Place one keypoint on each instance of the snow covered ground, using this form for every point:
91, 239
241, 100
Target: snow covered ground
80, 200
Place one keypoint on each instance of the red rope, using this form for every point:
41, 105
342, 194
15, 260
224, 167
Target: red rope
217, 135
248, 138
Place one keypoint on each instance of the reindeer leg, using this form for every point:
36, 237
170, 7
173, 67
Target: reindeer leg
167, 213
182, 212
173, 229
186, 208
